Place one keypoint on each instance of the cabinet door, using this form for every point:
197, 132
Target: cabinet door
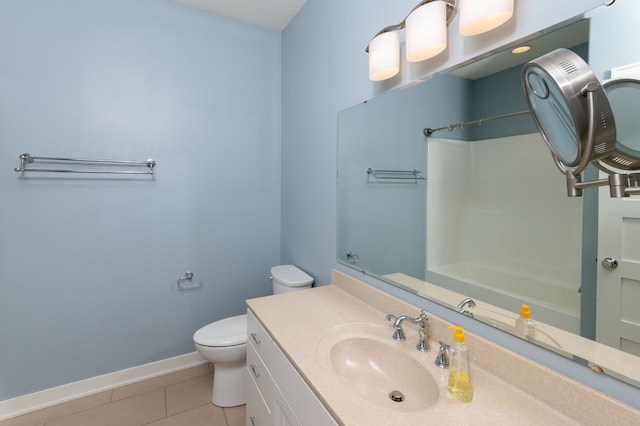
300, 397
284, 415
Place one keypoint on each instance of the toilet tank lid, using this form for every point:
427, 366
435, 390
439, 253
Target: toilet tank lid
225, 332
291, 276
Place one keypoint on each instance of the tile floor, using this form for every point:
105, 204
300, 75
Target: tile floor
176, 399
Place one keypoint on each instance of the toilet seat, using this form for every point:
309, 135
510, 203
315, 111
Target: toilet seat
230, 331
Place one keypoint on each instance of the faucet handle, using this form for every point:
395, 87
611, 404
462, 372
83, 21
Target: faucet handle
423, 316
442, 360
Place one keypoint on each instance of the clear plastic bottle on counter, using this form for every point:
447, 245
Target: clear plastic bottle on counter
460, 386
525, 326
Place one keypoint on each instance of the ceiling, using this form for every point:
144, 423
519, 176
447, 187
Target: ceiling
272, 14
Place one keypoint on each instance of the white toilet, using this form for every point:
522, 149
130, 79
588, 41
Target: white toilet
224, 342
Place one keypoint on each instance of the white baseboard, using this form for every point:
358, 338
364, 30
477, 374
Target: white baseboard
59, 394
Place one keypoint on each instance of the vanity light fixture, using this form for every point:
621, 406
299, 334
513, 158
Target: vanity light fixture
384, 56
481, 16
426, 31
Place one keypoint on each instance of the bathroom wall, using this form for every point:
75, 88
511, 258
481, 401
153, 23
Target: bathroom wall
88, 265
325, 71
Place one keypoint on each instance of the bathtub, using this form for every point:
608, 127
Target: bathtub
553, 303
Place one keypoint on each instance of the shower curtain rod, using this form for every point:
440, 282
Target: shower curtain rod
428, 131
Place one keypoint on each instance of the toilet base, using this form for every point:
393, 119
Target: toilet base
229, 384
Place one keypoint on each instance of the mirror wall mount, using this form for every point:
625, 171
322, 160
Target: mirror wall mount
572, 111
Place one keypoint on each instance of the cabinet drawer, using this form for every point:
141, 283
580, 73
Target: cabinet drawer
258, 413
259, 339
260, 375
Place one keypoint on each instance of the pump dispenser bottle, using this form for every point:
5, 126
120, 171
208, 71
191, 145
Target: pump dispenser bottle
525, 326
459, 376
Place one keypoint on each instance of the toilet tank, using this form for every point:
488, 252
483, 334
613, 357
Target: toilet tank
286, 278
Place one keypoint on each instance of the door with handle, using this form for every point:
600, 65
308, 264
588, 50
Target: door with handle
618, 288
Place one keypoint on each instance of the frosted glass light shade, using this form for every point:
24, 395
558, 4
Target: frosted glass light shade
480, 16
384, 56
426, 31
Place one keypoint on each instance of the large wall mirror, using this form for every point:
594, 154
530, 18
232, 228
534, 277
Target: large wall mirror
476, 208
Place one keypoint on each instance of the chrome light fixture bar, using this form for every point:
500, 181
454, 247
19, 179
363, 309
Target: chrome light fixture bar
426, 31
425, 24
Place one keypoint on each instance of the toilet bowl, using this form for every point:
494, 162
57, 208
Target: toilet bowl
224, 342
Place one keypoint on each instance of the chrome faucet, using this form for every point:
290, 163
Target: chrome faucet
423, 337
468, 302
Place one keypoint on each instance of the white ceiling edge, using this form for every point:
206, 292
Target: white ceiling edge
271, 14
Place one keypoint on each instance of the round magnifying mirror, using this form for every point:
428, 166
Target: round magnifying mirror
556, 86
624, 97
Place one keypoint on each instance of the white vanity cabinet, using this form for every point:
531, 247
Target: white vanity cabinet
276, 394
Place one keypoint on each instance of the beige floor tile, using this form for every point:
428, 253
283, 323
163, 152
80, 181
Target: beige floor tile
236, 415
190, 394
37, 418
160, 382
205, 415
134, 411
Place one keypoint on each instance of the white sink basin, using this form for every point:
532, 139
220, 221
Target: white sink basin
373, 365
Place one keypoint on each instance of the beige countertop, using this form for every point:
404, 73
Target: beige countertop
508, 389
614, 362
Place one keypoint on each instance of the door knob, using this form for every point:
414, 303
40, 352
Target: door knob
609, 263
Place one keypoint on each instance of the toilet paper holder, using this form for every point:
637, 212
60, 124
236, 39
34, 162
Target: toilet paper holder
188, 276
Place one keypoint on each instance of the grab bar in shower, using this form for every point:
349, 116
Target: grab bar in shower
29, 159
395, 174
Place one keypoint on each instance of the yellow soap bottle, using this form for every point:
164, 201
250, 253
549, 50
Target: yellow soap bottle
525, 326
460, 386
525, 314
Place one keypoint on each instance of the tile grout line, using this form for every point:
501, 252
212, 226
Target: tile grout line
166, 405
72, 413
226, 419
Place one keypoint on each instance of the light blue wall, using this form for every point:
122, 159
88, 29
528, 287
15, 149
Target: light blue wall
324, 72
88, 265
